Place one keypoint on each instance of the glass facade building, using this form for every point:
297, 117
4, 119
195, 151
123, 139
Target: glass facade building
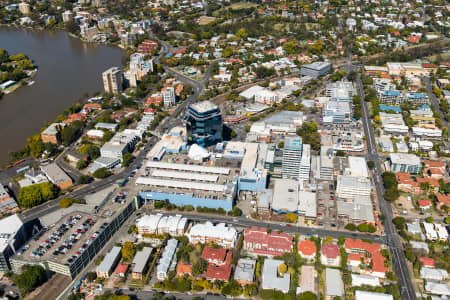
204, 124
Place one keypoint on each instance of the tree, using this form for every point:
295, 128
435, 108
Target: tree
236, 212
35, 144
85, 179
350, 226
399, 222
36, 194
241, 33
71, 132
65, 202
128, 250
91, 276
340, 153
82, 164
282, 268
199, 267
429, 219
370, 164
102, 173
30, 278
310, 135
127, 159
307, 296
363, 227
291, 218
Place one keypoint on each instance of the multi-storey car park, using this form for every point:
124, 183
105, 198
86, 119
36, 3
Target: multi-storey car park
69, 245
189, 184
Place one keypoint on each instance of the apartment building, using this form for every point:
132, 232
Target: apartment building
219, 234
259, 242
292, 154
113, 80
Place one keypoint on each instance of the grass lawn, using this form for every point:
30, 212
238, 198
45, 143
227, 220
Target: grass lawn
205, 20
235, 6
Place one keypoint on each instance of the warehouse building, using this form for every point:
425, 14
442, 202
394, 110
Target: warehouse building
57, 176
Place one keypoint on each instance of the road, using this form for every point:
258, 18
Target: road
435, 101
392, 238
147, 295
247, 223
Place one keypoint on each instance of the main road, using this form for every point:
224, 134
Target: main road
392, 238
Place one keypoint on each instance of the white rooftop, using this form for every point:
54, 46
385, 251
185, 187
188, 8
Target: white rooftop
181, 184
364, 295
358, 166
192, 168
9, 227
185, 175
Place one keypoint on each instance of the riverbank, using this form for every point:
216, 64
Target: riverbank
69, 69
63, 29
23, 82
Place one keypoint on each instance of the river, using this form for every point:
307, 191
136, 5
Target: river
68, 68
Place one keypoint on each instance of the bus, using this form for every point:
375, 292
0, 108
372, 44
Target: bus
18, 162
22, 170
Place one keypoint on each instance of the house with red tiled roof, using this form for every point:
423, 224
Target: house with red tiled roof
425, 204
149, 111
330, 255
90, 107
432, 182
259, 242
406, 183
121, 270
431, 67
369, 250
117, 116
354, 259
307, 249
179, 89
442, 199
73, 117
154, 99
435, 173
214, 272
435, 169
434, 164
184, 269
427, 262
214, 255
414, 39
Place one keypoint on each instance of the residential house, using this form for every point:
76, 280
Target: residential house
245, 271
330, 255
307, 249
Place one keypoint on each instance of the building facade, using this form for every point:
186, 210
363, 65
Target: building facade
204, 123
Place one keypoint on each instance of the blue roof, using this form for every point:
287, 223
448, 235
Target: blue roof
397, 109
392, 93
425, 107
168, 55
417, 95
